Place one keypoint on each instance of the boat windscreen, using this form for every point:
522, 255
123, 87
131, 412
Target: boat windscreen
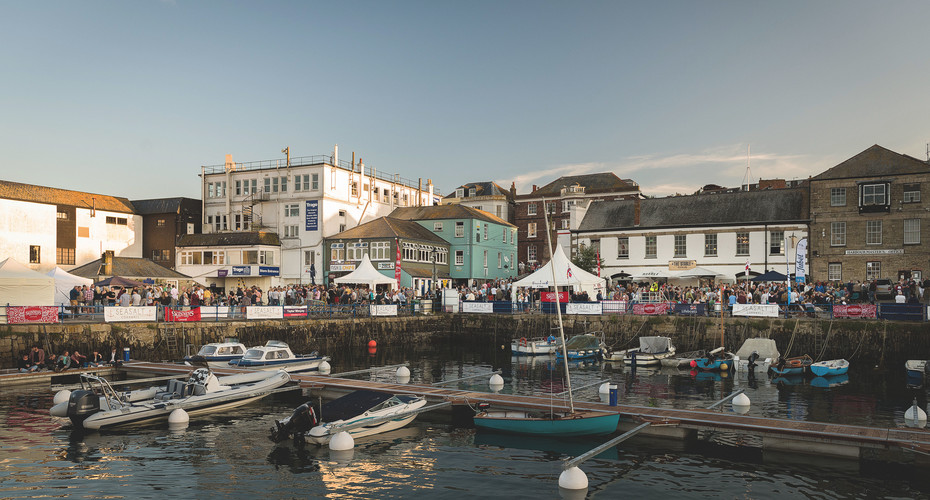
253, 354
351, 404
207, 350
582, 342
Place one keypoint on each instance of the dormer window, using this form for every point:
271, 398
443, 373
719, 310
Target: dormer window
874, 197
460, 193
471, 192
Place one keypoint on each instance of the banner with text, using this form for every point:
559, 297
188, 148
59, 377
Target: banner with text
295, 311
761, 310
550, 296
650, 309
175, 315
32, 314
583, 308
207, 312
478, 307
855, 311
133, 313
690, 309
264, 312
383, 310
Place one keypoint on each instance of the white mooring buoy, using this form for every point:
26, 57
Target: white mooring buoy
62, 396
178, 418
573, 478
342, 441
740, 404
403, 375
325, 368
915, 416
496, 382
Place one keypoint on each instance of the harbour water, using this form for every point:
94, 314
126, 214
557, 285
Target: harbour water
230, 456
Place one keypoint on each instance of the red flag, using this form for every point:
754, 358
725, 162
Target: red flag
397, 263
598, 257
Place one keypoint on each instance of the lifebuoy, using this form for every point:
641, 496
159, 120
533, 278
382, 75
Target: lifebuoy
523, 342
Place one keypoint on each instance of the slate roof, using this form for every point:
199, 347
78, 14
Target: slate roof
482, 189
54, 196
384, 227
248, 238
161, 205
593, 183
745, 207
875, 162
441, 212
128, 267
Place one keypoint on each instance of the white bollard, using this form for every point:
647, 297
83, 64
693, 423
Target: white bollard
573, 479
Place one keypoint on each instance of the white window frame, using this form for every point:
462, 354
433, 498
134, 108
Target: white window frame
459, 229
911, 231
623, 247
460, 257
873, 232
838, 234
531, 230
530, 209
838, 197
873, 270
835, 271
437, 227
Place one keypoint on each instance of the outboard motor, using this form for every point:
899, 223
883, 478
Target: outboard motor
81, 405
302, 420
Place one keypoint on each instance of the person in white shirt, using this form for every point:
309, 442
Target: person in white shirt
899, 298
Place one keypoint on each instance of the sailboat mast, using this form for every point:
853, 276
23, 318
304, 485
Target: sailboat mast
721, 315
558, 308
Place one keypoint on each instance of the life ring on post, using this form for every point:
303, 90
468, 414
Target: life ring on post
523, 342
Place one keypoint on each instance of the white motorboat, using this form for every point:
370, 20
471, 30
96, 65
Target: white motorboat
350, 412
217, 354
651, 351
99, 406
277, 355
542, 346
756, 355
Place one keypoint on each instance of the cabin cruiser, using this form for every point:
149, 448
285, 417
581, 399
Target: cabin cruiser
651, 351
98, 406
350, 412
217, 354
277, 355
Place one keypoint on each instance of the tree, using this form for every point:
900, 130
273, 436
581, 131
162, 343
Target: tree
586, 258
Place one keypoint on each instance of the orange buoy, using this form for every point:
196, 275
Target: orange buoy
693, 364
372, 351
372, 343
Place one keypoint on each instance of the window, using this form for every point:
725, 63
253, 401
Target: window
835, 271
911, 193
238, 188
873, 232
498, 211
292, 210
742, 243
160, 223
564, 223
442, 255
275, 184
485, 258
185, 258
531, 230
874, 197
251, 257
530, 209
266, 257
531, 253
342, 227
120, 221
503, 235
219, 258
460, 257
460, 193
837, 197
357, 250
837, 234
477, 207
309, 257
437, 227
623, 248
710, 245
550, 206
651, 247
196, 258
777, 243
485, 232
314, 181
410, 252
681, 246
873, 270
62, 215
500, 260
291, 231
568, 204
911, 231
161, 255
302, 182
471, 192
459, 229
64, 255
380, 250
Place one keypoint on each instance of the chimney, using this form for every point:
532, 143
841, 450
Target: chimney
534, 188
636, 212
107, 263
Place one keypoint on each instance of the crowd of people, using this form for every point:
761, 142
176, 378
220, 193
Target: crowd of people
36, 359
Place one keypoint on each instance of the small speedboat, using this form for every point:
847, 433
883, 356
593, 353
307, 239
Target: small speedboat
716, 360
585, 346
534, 347
830, 368
349, 412
276, 355
217, 354
651, 352
916, 368
98, 406
798, 365
756, 355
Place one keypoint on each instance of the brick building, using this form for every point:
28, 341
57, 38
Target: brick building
867, 218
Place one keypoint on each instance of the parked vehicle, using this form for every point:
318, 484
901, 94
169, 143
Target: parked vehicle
884, 288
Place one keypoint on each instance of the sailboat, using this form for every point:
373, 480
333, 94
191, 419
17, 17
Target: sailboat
717, 359
552, 422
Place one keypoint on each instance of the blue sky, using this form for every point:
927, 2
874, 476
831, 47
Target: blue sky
131, 98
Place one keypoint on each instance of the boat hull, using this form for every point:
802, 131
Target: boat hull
290, 366
714, 365
518, 422
533, 347
823, 370
360, 432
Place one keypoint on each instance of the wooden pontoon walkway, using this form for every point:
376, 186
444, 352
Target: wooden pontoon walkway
14, 377
815, 438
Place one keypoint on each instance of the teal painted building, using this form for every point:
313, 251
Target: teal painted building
482, 246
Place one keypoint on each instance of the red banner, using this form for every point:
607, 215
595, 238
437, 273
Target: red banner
855, 311
397, 263
32, 314
550, 296
179, 316
295, 311
650, 309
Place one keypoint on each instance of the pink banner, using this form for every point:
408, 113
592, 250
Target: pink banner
550, 296
650, 309
182, 316
295, 311
855, 311
32, 314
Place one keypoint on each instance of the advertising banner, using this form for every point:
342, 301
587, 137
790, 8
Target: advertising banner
690, 309
264, 312
383, 310
134, 313
583, 308
650, 309
761, 310
312, 215
242, 270
800, 261
268, 270
550, 296
855, 311
32, 314
478, 307
178, 316
207, 312
295, 311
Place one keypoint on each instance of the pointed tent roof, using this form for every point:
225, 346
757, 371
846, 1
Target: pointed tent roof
64, 282
21, 286
366, 274
542, 278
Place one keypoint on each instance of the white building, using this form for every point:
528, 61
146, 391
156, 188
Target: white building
720, 233
302, 200
45, 227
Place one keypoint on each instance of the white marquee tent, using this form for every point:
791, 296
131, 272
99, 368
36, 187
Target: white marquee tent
579, 279
366, 274
64, 282
21, 286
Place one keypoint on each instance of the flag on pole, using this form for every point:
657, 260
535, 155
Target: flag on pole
568, 272
598, 257
747, 267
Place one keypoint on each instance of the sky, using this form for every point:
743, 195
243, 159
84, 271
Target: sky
131, 98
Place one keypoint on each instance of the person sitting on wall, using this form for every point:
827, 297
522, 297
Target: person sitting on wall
78, 360
96, 359
64, 362
26, 366
114, 358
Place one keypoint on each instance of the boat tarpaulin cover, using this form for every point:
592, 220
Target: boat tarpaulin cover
765, 347
354, 404
583, 342
654, 345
